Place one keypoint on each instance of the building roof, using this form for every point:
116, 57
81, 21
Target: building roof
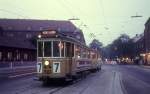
36, 25
137, 37
20, 27
148, 21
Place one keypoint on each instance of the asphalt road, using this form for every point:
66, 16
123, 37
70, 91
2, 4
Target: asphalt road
135, 79
112, 79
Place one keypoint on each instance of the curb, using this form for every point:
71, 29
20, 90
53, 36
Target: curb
144, 66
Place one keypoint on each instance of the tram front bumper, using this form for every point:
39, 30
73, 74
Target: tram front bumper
50, 76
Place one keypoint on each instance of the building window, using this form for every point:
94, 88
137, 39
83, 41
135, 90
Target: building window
1, 28
18, 56
0, 55
28, 35
41, 28
10, 34
9, 55
9, 28
29, 28
25, 56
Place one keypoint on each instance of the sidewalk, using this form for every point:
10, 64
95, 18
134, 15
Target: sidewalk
16, 67
19, 70
3, 70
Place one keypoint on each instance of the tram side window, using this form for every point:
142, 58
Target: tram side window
93, 54
56, 51
84, 53
47, 49
96, 55
61, 45
89, 54
40, 49
78, 51
72, 50
69, 49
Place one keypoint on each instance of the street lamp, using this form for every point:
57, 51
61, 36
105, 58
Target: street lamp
74, 19
136, 16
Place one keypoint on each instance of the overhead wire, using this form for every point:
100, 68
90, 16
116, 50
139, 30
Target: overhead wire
65, 4
61, 2
91, 35
14, 13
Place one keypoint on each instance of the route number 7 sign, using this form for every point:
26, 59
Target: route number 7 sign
56, 67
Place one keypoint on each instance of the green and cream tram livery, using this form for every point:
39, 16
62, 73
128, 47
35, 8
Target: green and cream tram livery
61, 56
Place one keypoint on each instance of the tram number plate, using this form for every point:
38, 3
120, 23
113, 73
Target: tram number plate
56, 67
39, 68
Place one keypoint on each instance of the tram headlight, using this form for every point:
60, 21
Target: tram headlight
39, 36
46, 63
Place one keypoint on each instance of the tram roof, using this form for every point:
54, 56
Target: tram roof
63, 36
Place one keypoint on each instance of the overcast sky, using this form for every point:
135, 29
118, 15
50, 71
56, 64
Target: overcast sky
106, 19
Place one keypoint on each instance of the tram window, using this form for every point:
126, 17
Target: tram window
72, 48
61, 46
84, 53
56, 51
88, 54
93, 55
69, 49
47, 49
40, 49
77, 51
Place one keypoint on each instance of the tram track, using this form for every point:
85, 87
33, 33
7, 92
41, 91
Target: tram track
56, 90
73, 88
29, 86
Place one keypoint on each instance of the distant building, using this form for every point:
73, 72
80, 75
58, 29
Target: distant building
139, 47
147, 41
18, 38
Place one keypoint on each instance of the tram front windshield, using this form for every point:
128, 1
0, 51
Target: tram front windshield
55, 49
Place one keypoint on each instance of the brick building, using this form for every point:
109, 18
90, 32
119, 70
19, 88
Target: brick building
18, 39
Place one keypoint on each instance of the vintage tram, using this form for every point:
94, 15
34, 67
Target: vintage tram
60, 56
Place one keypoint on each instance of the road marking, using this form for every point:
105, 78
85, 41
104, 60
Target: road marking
116, 85
13, 76
122, 85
